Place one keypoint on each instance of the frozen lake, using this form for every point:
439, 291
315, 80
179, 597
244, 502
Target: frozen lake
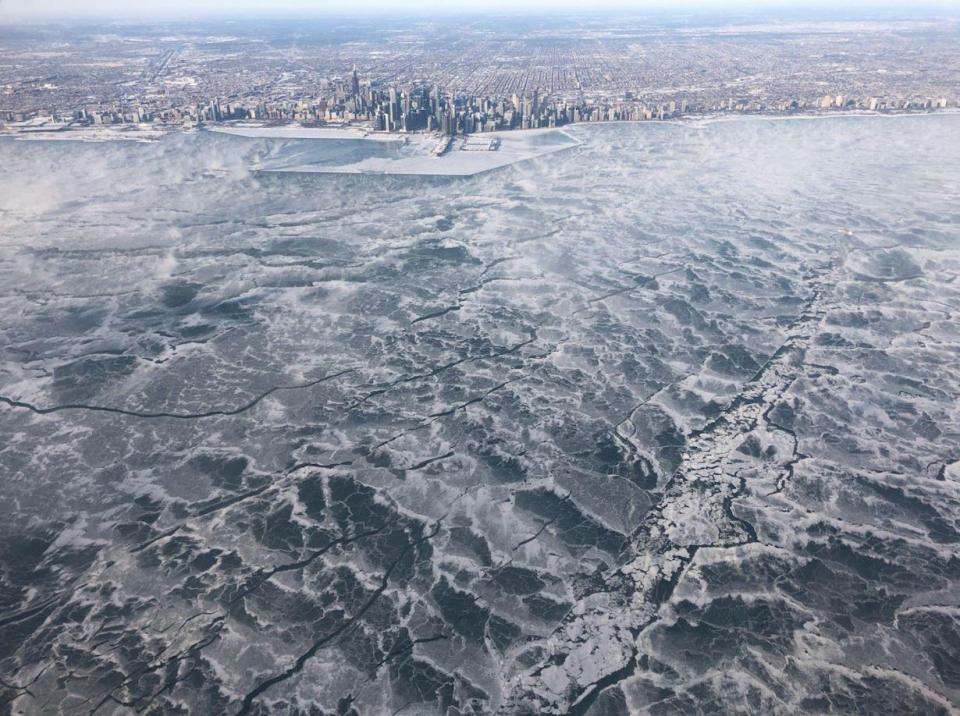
672, 411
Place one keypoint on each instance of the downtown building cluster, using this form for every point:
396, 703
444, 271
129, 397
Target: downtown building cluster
425, 108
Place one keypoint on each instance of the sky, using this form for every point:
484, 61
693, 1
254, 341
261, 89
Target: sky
122, 9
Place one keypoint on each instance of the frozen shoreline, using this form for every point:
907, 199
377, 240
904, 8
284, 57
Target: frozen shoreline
118, 133
705, 119
155, 132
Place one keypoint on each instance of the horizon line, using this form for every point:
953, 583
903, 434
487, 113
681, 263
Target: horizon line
852, 9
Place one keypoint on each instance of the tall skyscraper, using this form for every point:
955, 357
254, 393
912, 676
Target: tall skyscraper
354, 83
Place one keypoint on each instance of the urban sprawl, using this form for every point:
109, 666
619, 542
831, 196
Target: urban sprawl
484, 79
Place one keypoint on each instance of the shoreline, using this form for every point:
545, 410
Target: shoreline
153, 132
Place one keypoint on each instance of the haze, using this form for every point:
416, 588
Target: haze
28, 9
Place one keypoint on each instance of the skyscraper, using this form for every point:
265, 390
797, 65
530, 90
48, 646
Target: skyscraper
354, 83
